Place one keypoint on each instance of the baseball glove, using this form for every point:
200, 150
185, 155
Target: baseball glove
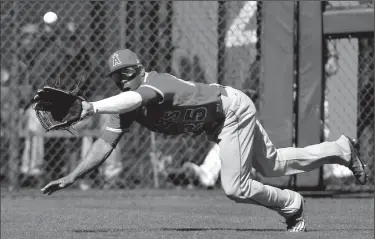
57, 108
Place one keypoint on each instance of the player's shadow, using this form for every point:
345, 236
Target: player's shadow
109, 230
104, 230
219, 229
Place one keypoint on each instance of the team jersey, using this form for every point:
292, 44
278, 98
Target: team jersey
182, 107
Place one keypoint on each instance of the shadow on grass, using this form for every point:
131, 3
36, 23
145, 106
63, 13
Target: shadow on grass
172, 229
105, 230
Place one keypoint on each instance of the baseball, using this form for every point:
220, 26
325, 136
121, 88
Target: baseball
50, 17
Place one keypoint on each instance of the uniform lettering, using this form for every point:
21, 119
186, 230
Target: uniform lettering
116, 60
191, 127
198, 114
171, 115
192, 121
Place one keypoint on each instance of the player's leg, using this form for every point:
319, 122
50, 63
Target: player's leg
33, 154
274, 162
87, 142
37, 155
26, 155
236, 141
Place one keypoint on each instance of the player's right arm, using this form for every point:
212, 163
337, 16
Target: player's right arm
98, 153
103, 147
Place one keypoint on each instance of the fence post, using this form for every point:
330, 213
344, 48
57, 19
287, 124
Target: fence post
14, 155
309, 85
122, 19
278, 74
221, 31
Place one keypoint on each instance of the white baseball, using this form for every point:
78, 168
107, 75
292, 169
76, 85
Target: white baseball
50, 17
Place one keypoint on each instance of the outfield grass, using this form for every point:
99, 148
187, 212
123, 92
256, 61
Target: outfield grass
172, 214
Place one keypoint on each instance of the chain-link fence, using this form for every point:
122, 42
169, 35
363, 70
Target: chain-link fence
203, 41
349, 95
177, 37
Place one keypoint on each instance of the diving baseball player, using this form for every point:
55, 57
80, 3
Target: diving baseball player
168, 105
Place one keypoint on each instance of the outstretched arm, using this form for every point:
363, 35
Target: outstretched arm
116, 126
97, 154
121, 103
118, 104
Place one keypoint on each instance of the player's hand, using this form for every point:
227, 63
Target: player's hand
87, 109
58, 185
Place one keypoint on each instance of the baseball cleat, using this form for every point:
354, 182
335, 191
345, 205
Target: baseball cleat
356, 165
297, 223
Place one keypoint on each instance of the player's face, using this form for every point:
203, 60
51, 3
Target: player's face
127, 78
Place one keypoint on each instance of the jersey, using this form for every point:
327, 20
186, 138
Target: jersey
182, 107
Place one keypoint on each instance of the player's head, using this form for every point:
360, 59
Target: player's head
126, 70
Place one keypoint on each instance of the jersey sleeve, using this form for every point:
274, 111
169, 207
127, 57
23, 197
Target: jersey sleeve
116, 126
149, 95
166, 85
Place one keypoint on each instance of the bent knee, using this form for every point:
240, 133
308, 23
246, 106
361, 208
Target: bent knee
232, 192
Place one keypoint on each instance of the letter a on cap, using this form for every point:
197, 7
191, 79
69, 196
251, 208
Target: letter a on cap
116, 60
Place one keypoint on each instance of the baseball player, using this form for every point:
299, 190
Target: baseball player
165, 104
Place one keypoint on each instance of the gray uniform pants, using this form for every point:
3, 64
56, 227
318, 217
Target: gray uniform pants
245, 144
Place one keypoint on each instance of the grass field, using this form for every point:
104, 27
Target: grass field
172, 214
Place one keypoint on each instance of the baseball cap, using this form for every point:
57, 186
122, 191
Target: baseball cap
121, 59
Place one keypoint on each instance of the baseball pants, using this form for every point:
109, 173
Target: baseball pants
245, 144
